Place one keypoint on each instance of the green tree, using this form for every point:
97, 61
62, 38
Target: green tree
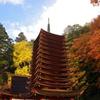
22, 57
72, 32
6, 55
21, 37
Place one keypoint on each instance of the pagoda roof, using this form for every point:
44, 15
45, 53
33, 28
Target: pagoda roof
53, 42
50, 36
49, 33
51, 63
58, 93
62, 85
53, 73
18, 86
55, 68
55, 79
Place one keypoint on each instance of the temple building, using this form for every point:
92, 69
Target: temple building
51, 75
17, 90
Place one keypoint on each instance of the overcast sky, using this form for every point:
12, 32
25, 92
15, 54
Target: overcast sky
29, 16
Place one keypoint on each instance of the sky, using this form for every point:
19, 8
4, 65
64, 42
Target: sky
29, 16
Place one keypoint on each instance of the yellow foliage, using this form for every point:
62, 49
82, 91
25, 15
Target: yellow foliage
22, 53
22, 71
22, 57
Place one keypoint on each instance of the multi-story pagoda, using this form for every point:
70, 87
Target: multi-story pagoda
51, 76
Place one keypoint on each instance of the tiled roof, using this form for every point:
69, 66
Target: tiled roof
19, 84
58, 93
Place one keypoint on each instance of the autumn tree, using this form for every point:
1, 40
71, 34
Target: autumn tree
95, 2
22, 57
86, 51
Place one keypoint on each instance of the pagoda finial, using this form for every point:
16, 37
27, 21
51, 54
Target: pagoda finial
48, 27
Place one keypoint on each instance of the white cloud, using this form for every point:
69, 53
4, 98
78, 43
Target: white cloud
67, 12
61, 14
16, 28
12, 1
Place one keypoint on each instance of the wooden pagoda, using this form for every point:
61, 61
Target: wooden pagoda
51, 75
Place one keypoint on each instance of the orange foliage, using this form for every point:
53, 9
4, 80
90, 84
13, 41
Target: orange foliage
87, 46
80, 47
95, 24
94, 44
95, 2
95, 38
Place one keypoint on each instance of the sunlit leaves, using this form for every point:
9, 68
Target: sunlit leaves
88, 45
22, 57
22, 53
79, 48
22, 71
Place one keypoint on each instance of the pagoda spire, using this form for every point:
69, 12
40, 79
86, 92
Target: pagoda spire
48, 27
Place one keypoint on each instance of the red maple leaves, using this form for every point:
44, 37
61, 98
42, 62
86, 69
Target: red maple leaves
87, 46
95, 2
